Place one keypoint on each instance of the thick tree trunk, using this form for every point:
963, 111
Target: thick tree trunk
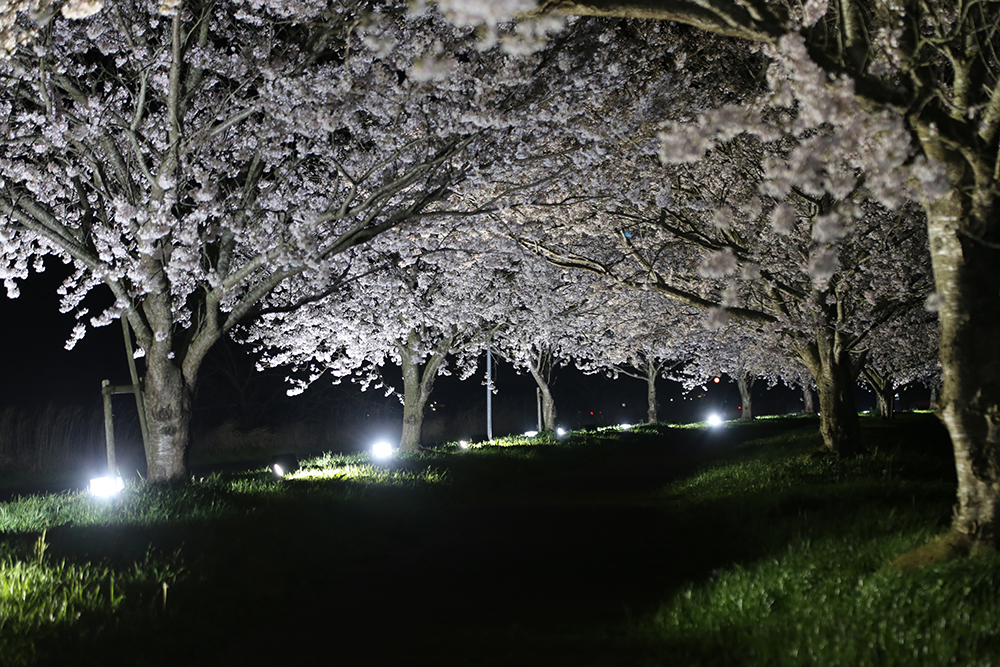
417, 386
968, 286
168, 413
548, 403
830, 362
651, 403
808, 402
745, 383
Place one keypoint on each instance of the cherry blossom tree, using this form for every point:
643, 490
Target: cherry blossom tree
900, 353
429, 312
926, 67
786, 266
639, 335
197, 159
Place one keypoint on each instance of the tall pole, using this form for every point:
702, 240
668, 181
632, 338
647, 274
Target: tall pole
139, 403
538, 401
489, 394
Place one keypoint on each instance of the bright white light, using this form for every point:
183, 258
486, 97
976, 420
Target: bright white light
104, 487
561, 431
530, 434
624, 427
714, 420
382, 450
278, 470
464, 444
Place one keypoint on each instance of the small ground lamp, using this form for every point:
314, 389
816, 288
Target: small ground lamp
561, 431
530, 434
382, 450
105, 487
283, 465
624, 427
714, 420
464, 444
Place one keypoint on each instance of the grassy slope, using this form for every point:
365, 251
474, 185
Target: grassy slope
670, 546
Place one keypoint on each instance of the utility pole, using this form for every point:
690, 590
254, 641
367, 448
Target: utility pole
489, 394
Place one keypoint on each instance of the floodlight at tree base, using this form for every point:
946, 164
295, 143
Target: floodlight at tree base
530, 434
463, 444
382, 450
105, 487
714, 420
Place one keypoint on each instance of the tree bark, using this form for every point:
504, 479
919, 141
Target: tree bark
965, 257
745, 383
417, 386
808, 402
829, 361
548, 402
651, 404
168, 413
885, 392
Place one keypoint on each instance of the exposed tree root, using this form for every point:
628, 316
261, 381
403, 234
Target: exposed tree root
949, 546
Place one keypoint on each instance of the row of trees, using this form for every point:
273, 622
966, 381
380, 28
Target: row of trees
367, 182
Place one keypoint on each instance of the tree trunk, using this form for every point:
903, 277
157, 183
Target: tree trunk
965, 260
548, 403
168, 413
417, 386
745, 383
808, 402
651, 398
830, 362
885, 391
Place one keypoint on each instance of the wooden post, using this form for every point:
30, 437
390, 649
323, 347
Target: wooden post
140, 404
109, 427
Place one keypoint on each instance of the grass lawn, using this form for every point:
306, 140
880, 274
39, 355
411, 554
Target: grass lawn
656, 546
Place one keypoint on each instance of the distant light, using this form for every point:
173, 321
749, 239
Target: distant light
714, 420
105, 487
382, 450
464, 444
561, 431
530, 434
716, 380
624, 427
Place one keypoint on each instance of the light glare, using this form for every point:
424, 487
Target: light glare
560, 431
278, 470
714, 420
382, 450
105, 487
464, 444
530, 434
624, 427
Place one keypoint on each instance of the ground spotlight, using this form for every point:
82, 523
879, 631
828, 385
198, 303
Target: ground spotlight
382, 450
624, 427
530, 434
105, 487
714, 420
464, 444
283, 465
561, 431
